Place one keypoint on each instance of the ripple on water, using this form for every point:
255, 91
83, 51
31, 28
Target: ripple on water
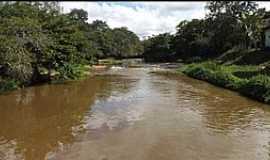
130, 114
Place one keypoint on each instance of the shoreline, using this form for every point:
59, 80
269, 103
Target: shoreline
256, 87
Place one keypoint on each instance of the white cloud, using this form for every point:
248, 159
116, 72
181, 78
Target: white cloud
265, 5
143, 18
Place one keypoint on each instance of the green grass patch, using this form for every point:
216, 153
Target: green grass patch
256, 86
72, 72
165, 72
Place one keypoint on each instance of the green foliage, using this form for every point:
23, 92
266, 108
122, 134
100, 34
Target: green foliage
228, 24
191, 39
71, 71
158, 48
36, 37
8, 85
256, 86
126, 43
117, 42
79, 14
213, 73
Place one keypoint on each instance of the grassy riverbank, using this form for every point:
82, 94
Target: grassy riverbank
250, 80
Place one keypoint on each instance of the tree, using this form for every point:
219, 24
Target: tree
126, 43
79, 14
37, 38
191, 39
241, 11
158, 48
99, 25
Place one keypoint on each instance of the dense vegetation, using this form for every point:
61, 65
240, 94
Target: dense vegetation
40, 43
226, 48
158, 48
228, 25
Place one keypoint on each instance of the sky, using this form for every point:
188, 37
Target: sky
143, 18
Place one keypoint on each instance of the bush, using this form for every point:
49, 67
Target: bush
8, 85
257, 87
71, 71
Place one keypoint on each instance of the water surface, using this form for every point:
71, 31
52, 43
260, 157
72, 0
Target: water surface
131, 114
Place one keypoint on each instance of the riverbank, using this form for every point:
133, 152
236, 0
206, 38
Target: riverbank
70, 73
67, 73
249, 80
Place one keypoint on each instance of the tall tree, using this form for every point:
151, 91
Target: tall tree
241, 11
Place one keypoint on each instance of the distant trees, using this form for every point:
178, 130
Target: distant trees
191, 39
117, 42
228, 24
158, 48
125, 43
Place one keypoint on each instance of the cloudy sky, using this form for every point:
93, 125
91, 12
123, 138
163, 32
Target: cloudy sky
143, 18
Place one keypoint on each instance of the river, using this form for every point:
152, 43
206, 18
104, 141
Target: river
132, 114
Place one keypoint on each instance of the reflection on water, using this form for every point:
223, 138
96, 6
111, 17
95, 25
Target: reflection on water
131, 114
37, 120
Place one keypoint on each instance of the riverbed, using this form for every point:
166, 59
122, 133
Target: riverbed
130, 113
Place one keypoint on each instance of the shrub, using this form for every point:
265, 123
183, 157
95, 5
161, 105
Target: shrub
8, 84
258, 87
71, 71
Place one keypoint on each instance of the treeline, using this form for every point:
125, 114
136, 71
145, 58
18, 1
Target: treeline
37, 41
228, 25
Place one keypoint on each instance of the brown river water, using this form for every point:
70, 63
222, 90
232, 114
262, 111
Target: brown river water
131, 114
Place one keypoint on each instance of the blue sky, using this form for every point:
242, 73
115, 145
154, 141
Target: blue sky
143, 18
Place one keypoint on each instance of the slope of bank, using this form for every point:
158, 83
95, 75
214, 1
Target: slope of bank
250, 80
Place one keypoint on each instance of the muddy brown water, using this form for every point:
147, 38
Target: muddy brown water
130, 114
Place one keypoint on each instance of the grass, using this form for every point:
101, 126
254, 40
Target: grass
71, 72
165, 72
256, 86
